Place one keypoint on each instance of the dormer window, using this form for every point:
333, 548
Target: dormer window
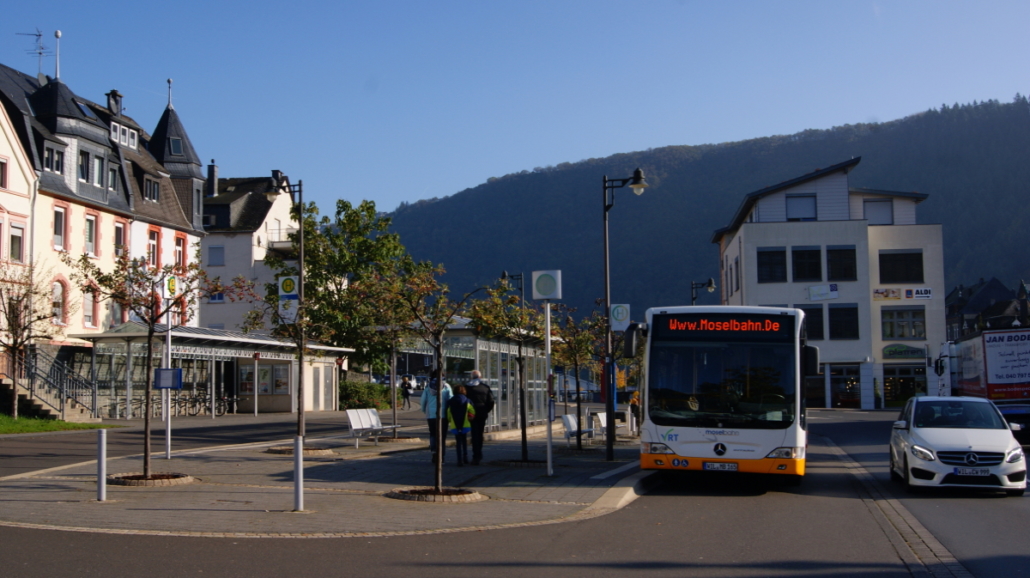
175, 145
123, 135
132, 139
86, 111
151, 190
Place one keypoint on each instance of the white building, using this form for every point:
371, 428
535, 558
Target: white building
870, 280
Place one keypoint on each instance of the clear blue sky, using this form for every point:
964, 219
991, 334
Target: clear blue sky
400, 100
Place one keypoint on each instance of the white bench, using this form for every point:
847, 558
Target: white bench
602, 418
366, 422
572, 428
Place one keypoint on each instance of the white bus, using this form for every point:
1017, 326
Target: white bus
723, 389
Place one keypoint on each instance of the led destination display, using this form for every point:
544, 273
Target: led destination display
723, 327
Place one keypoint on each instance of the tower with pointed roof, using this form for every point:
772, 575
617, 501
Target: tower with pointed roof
171, 146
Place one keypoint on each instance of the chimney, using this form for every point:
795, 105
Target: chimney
114, 102
212, 179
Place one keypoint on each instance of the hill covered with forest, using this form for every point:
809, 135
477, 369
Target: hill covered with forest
972, 161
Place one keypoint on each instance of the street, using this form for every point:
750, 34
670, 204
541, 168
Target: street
714, 525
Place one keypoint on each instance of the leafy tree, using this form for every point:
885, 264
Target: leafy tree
576, 346
417, 287
140, 289
26, 314
503, 315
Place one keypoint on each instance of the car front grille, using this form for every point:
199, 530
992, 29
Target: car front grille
991, 480
983, 459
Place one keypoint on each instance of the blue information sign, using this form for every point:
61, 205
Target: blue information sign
168, 378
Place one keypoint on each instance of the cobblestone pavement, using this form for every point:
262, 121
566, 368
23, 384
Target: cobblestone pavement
248, 491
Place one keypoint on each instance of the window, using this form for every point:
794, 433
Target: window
153, 243
112, 179
813, 321
772, 265
89, 309
841, 264
57, 302
879, 212
806, 263
53, 160
17, 244
124, 137
901, 266
119, 239
59, 222
83, 166
801, 207
175, 145
151, 190
736, 273
3, 174
132, 139
115, 130
843, 320
91, 235
85, 110
216, 256
216, 298
903, 322
98, 171
180, 252
117, 315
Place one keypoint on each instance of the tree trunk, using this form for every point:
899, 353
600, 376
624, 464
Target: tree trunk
523, 415
438, 346
579, 410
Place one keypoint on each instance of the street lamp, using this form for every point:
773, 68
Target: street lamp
638, 184
710, 285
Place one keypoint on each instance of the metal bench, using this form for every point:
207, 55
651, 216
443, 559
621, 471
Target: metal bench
366, 422
602, 418
572, 428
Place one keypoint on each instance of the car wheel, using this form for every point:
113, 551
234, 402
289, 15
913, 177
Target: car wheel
1014, 493
895, 476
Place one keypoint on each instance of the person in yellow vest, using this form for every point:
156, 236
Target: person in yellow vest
460, 414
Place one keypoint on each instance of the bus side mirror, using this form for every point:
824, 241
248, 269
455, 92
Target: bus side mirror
631, 339
810, 360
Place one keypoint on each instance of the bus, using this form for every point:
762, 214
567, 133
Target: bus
722, 389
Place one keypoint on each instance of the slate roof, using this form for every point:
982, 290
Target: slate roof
240, 205
186, 164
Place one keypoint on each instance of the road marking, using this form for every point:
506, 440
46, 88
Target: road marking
618, 470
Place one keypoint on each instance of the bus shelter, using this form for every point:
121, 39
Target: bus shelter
497, 360
244, 368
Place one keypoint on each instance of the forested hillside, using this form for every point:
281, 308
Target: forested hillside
971, 160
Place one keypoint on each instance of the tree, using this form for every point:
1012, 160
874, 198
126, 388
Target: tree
577, 345
504, 315
417, 287
26, 314
144, 291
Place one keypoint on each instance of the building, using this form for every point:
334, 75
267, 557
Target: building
869, 278
965, 306
244, 219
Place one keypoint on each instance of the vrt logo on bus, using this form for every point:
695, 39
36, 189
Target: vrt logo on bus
669, 436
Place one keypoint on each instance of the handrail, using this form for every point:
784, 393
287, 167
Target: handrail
50, 381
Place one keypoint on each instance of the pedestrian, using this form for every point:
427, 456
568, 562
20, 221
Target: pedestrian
406, 393
433, 418
483, 402
460, 414
634, 408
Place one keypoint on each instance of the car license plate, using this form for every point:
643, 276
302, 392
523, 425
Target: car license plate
720, 467
972, 471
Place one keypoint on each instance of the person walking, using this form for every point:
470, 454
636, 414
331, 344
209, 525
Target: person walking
483, 402
429, 408
406, 393
460, 414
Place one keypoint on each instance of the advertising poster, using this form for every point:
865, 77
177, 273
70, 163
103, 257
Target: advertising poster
1007, 357
247, 379
282, 379
264, 379
886, 294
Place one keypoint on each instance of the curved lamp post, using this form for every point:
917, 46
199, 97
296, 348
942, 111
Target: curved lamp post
638, 184
710, 285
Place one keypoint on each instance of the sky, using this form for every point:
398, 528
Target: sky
397, 101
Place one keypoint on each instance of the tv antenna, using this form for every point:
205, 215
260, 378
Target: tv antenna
40, 50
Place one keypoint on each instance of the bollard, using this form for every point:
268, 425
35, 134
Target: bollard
101, 465
298, 474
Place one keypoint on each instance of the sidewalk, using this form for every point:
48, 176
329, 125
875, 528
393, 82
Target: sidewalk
245, 491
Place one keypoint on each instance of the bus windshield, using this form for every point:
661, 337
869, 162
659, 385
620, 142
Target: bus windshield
721, 384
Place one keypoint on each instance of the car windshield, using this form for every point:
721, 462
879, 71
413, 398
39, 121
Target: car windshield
957, 414
739, 385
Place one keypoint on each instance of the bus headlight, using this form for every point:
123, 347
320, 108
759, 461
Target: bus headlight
787, 453
649, 448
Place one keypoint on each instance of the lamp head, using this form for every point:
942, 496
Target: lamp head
638, 184
711, 285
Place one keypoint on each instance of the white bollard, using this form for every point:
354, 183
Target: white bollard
101, 465
298, 474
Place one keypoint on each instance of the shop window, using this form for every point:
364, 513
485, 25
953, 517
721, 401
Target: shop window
902, 382
845, 386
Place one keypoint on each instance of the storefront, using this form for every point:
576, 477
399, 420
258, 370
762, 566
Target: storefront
215, 364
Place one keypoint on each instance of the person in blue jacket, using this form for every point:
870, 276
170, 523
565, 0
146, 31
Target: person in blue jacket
429, 407
460, 414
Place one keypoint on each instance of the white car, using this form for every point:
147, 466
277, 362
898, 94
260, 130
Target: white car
956, 441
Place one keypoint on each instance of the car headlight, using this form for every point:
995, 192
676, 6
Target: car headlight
1014, 456
922, 453
649, 448
787, 453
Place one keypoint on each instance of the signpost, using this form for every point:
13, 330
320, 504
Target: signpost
547, 286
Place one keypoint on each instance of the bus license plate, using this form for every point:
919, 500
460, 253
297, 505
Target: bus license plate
720, 467
972, 471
